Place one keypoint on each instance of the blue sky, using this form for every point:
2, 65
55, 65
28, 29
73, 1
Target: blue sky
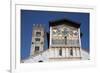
30, 17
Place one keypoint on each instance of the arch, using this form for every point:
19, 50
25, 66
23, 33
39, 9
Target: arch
60, 52
71, 52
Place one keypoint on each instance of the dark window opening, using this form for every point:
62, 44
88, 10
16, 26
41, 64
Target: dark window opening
65, 40
38, 34
40, 61
37, 39
36, 48
60, 52
32, 42
71, 52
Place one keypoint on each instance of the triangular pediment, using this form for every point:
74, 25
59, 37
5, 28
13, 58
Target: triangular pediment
64, 21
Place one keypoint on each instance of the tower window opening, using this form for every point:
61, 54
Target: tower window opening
38, 34
37, 39
32, 42
36, 48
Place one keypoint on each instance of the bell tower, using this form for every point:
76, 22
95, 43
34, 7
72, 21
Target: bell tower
37, 43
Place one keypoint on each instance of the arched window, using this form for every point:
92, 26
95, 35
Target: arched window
60, 52
71, 52
65, 40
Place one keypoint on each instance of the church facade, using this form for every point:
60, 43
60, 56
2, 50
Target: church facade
64, 42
